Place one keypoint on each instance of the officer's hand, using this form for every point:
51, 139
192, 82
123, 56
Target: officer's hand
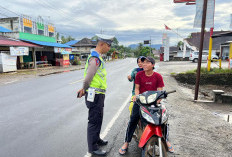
129, 77
80, 93
158, 101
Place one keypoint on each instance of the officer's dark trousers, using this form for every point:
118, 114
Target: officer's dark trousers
95, 120
134, 118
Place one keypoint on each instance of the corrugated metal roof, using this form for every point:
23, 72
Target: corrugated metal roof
72, 42
85, 42
195, 39
5, 41
5, 30
49, 44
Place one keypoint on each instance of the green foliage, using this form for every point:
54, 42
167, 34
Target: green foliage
180, 43
76, 61
109, 53
212, 71
65, 40
145, 51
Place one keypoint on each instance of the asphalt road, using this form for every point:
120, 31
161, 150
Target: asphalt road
42, 117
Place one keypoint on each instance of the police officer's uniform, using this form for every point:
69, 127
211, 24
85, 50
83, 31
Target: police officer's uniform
95, 117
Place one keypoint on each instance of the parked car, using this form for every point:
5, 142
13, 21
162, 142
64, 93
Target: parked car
194, 56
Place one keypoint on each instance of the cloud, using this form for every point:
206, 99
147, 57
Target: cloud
131, 21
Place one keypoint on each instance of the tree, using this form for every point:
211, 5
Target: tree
65, 40
115, 42
145, 51
57, 36
180, 44
94, 38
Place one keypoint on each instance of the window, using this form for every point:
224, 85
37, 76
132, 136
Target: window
51, 34
27, 30
40, 32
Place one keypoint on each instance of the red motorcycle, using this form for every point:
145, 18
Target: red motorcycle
152, 129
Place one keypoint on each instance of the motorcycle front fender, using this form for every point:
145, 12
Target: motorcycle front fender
148, 132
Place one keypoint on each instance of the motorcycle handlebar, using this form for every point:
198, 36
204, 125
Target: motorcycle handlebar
172, 91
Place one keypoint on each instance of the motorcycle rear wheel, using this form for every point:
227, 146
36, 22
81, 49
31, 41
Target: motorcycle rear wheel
151, 149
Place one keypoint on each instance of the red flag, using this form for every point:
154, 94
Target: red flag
167, 28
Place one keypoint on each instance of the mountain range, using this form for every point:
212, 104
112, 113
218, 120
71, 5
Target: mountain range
156, 46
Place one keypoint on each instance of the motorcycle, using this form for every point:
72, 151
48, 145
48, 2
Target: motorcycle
152, 129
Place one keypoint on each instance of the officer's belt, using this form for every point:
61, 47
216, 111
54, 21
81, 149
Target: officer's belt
98, 89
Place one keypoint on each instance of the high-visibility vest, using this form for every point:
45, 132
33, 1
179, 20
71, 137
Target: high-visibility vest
99, 80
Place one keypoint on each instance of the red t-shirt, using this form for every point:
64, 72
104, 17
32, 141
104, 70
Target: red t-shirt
148, 83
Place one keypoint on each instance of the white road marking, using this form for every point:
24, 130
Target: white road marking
110, 124
10, 82
76, 81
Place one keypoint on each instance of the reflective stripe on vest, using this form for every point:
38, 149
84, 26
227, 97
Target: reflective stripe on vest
99, 79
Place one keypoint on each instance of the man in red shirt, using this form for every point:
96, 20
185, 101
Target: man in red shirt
146, 80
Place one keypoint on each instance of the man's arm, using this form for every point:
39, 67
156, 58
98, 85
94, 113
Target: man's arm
160, 89
136, 91
91, 71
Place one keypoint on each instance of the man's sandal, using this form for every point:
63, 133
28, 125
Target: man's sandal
123, 150
170, 149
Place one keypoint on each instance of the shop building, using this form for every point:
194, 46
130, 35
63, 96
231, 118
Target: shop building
38, 32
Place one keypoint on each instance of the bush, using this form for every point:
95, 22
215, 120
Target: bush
212, 79
212, 71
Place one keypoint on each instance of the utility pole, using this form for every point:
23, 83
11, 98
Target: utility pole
210, 49
201, 48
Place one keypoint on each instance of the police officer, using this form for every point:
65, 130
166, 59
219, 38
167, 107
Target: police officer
94, 88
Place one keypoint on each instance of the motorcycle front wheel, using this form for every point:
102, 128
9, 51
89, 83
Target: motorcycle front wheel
151, 149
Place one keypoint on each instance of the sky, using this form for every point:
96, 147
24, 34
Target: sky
130, 21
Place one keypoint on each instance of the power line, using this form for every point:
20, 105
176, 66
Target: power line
9, 10
4, 15
50, 7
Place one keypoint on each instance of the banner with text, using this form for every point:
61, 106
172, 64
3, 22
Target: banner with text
209, 23
19, 51
63, 50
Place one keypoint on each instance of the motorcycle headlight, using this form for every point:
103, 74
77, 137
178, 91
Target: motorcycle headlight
147, 117
142, 99
151, 98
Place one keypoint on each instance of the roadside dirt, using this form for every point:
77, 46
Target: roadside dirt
205, 91
197, 129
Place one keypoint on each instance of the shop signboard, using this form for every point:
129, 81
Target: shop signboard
66, 59
63, 50
71, 57
166, 46
19, 51
7, 62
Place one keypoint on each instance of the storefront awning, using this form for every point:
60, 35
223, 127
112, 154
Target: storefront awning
5, 41
49, 44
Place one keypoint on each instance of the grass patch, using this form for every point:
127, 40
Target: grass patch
212, 71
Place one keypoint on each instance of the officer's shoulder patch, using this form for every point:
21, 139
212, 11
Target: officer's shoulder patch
97, 61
